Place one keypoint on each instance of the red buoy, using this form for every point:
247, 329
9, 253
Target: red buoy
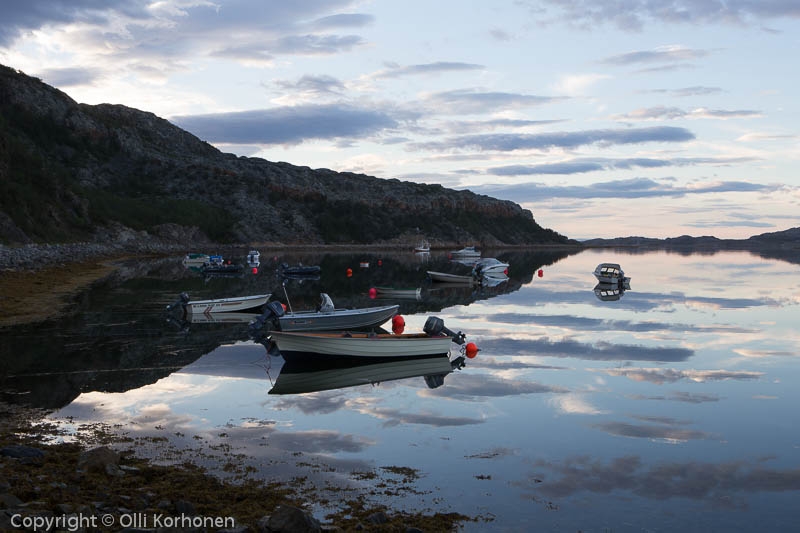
505, 271
349, 272
540, 273
373, 292
471, 350
398, 324
255, 270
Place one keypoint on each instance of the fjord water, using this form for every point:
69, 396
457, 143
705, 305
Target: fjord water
671, 408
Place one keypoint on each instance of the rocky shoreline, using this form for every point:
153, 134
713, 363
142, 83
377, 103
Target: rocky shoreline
87, 487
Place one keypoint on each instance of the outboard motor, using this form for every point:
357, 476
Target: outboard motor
183, 299
272, 312
435, 326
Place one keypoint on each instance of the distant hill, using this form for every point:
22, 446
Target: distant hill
68, 170
787, 239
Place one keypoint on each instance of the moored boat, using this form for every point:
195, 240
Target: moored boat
436, 339
423, 247
405, 294
467, 251
490, 267
326, 318
610, 273
195, 259
221, 305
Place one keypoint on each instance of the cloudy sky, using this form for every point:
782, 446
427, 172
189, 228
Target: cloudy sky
605, 119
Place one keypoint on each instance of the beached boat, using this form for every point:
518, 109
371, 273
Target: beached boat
326, 318
490, 267
610, 273
468, 251
221, 305
444, 277
195, 259
306, 374
436, 339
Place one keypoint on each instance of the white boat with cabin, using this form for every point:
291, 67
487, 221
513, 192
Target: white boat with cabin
610, 273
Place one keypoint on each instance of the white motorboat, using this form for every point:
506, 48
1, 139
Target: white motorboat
221, 305
468, 251
610, 273
490, 267
195, 259
423, 247
253, 258
436, 339
444, 277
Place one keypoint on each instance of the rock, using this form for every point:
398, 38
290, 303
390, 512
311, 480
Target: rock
21, 452
378, 518
288, 519
8, 501
100, 460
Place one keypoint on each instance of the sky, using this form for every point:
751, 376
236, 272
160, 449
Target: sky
604, 118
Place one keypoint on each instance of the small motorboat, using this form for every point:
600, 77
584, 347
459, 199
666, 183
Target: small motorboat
195, 259
221, 305
490, 267
217, 265
610, 273
326, 318
253, 258
436, 339
423, 247
467, 251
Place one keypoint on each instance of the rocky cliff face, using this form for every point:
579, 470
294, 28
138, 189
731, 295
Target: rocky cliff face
67, 169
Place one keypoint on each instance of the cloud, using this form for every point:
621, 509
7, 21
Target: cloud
697, 90
680, 396
287, 125
630, 188
659, 376
634, 15
396, 71
474, 101
470, 126
343, 20
471, 387
508, 142
313, 85
664, 54
582, 165
672, 113
573, 404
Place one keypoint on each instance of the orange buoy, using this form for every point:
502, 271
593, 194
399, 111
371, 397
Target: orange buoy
471, 350
398, 324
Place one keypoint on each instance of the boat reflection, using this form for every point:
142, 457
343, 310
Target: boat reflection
304, 375
609, 292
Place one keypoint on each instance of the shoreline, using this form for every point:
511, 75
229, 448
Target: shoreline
102, 478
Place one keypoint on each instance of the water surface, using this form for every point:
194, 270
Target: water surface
670, 408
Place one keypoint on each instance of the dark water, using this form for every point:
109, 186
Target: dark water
671, 408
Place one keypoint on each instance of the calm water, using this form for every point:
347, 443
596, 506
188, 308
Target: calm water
672, 408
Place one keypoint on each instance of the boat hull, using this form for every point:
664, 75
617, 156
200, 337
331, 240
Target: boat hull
297, 378
224, 305
443, 277
342, 319
295, 345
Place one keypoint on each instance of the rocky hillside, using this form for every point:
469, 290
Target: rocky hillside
69, 170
